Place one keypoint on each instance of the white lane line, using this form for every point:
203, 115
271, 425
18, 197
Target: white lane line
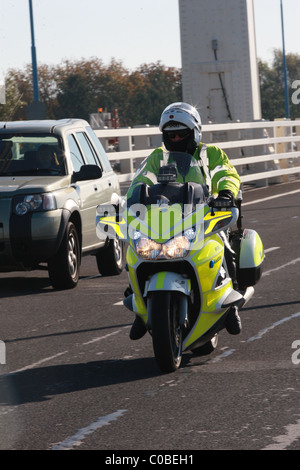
100, 338
273, 248
285, 440
76, 439
31, 366
257, 201
259, 335
290, 263
224, 354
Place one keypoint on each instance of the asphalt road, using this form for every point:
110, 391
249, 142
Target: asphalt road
74, 380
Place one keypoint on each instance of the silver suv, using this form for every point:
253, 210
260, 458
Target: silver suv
53, 175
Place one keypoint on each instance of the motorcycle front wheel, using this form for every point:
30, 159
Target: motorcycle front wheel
166, 330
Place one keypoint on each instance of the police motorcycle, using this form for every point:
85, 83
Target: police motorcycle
179, 279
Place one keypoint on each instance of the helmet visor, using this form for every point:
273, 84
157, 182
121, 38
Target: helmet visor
182, 133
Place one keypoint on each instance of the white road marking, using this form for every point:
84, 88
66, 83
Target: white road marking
259, 335
290, 263
100, 338
76, 439
31, 366
257, 201
285, 440
274, 248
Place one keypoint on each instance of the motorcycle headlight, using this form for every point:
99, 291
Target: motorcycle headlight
177, 247
34, 203
148, 248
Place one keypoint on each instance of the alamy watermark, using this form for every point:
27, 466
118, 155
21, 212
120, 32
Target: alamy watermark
296, 354
149, 220
296, 94
2, 353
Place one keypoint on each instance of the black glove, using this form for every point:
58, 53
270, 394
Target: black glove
225, 199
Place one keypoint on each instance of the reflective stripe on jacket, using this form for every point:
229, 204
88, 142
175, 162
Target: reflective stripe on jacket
218, 172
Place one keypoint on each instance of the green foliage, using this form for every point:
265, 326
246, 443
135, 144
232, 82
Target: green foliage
272, 86
79, 88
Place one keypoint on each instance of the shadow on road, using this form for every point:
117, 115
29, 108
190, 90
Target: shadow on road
20, 286
41, 384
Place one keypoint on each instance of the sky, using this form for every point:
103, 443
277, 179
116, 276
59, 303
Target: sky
133, 32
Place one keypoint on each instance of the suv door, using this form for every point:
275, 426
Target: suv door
89, 192
103, 187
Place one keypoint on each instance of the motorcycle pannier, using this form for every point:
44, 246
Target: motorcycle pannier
250, 256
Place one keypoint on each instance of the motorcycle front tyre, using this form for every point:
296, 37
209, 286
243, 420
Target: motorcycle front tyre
165, 329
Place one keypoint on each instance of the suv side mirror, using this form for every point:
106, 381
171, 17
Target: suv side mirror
87, 172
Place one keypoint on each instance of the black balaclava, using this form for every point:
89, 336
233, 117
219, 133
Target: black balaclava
187, 145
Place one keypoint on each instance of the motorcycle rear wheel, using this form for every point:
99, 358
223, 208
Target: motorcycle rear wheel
166, 330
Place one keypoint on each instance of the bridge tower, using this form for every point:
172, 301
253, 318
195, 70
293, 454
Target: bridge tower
219, 61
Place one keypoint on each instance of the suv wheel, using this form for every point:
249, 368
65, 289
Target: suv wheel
64, 267
110, 261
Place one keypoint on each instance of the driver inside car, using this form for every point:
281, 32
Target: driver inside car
180, 125
47, 158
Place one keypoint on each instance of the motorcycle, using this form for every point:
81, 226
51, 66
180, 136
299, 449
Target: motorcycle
180, 284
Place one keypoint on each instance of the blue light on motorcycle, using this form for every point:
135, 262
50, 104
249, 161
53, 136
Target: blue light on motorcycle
136, 235
190, 234
211, 263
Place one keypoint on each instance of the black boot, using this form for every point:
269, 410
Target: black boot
138, 329
233, 322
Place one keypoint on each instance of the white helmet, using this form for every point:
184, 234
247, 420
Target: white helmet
181, 115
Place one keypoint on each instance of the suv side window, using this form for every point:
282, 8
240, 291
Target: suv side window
104, 159
76, 157
87, 150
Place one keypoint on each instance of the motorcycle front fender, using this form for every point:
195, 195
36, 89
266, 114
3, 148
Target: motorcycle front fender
168, 281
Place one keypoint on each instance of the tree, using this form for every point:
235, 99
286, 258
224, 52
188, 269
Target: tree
79, 88
272, 85
73, 98
154, 87
12, 109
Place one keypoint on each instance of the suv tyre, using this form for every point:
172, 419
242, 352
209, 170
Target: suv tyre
64, 267
110, 261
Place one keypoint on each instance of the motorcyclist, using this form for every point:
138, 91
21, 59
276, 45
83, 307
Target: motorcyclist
180, 125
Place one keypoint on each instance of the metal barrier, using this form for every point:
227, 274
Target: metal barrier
263, 151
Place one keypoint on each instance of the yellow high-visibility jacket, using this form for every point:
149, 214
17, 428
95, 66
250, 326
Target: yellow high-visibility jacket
208, 160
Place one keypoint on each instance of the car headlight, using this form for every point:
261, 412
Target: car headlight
177, 247
34, 203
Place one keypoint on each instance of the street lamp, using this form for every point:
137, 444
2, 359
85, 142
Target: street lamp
33, 56
36, 109
286, 93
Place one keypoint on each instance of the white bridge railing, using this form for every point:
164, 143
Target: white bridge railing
263, 151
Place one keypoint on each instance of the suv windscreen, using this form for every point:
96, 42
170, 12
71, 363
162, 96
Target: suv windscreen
30, 154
